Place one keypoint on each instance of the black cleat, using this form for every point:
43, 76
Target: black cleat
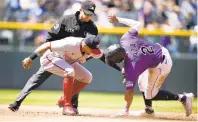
76, 110
149, 110
14, 106
75, 107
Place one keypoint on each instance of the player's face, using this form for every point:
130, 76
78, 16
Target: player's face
85, 17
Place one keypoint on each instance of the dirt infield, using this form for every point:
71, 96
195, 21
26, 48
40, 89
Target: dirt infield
53, 114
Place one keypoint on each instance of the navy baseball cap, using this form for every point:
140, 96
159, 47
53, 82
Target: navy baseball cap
93, 43
88, 7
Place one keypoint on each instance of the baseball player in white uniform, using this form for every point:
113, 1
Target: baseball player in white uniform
64, 58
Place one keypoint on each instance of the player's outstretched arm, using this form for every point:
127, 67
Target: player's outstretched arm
27, 62
128, 101
43, 48
132, 23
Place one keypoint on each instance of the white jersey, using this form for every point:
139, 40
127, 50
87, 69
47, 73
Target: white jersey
67, 49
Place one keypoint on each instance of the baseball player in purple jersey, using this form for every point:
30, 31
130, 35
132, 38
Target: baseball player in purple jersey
64, 58
141, 55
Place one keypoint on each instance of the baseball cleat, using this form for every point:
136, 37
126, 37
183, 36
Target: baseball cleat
141, 113
60, 104
14, 107
76, 110
187, 103
149, 110
68, 110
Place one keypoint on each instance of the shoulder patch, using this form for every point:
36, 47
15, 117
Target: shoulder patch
56, 26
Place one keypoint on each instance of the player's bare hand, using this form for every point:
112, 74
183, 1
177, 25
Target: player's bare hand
27, 63
112, 18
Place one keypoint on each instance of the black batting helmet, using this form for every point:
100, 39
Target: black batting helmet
114, 54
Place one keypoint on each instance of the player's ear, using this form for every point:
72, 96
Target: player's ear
85, 48
82, 46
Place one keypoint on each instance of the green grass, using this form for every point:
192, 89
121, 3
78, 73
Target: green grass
92, 100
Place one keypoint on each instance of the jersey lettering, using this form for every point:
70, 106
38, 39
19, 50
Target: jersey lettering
134, 50
71, 30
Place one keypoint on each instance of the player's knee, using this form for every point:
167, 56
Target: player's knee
88, 78
70, 72
148, 97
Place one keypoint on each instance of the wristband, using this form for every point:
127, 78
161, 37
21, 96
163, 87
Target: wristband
33, 56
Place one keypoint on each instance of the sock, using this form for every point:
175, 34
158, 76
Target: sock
75, 101
68, 83
165, 95
78, 86
148, 103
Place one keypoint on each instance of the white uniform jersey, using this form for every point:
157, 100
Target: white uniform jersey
67, 49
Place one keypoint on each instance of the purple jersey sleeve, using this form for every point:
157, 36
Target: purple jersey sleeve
130, 34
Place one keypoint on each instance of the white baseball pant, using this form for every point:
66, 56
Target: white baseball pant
62, 68
151, 80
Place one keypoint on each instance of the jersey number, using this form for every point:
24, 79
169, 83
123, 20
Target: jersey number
147, 50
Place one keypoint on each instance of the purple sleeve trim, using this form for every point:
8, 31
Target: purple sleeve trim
130, 84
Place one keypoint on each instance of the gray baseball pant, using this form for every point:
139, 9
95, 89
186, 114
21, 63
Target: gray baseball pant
33, 83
